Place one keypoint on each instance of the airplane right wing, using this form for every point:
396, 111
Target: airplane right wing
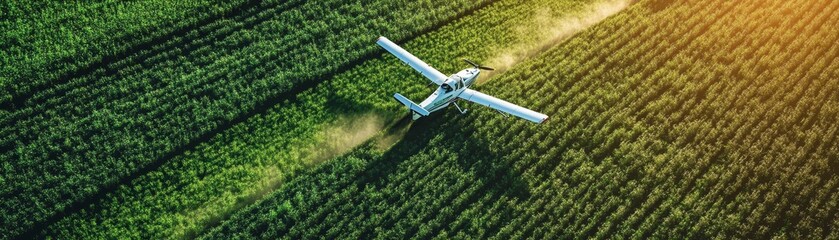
422, 67
503, 106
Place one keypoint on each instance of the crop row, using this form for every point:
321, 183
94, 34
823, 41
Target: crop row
80, 139
680, 120
47, 42
241, 164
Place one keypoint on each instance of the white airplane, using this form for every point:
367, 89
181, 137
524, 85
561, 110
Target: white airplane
452, 88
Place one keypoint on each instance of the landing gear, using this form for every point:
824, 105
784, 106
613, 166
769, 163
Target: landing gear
458, 108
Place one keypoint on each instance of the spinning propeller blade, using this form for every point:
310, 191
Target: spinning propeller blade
478, 66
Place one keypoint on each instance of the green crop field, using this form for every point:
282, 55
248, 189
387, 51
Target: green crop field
274, 119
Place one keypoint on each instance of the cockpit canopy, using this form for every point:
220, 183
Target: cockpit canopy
446, 88
453, 83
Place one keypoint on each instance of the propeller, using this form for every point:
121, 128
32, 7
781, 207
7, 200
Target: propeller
478, 66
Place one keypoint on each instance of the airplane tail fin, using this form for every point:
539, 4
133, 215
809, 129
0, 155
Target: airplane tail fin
416, 109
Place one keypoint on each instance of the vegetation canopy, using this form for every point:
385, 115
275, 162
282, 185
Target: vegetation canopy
274, 119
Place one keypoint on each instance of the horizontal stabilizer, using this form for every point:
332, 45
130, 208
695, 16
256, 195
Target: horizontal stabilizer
413, 106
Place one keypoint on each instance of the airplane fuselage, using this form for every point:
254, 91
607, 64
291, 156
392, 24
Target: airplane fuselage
450, 89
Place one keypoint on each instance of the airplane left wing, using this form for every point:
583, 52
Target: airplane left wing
501, 105
422, 67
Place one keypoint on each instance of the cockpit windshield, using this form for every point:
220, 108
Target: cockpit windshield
446, 87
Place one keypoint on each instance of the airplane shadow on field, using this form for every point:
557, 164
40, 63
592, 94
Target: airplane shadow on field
473, 154
472, 162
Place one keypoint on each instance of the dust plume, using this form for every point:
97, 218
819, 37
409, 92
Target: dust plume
393, 133
548, 27
343, 135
